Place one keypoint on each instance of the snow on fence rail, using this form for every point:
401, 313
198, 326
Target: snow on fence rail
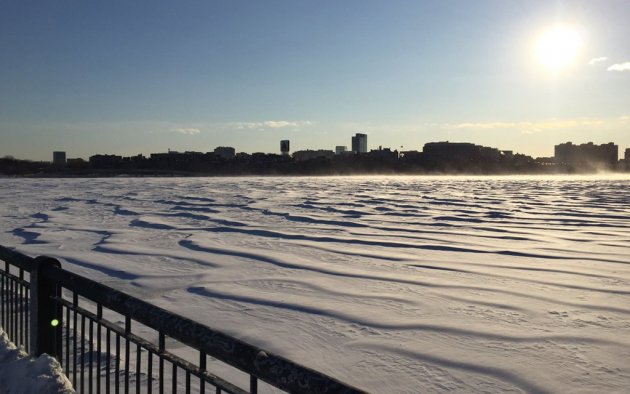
87, 327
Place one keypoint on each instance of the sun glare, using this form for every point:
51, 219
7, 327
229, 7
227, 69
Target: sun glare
557, 49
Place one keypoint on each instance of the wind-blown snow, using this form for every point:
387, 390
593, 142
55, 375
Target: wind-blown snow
22, 374
392, 284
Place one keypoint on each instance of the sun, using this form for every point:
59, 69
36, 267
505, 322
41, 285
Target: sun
557, 49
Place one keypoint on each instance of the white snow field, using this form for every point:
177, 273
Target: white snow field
391, 284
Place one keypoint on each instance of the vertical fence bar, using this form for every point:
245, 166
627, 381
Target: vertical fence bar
9, 307
16, 312
20, 308
7, 325
27, 308
67, 341
10, 298
138, 366
107, 359
253, 384
161, 346
91, 356
75, 304
3, 293
174, 381
7, 303
13, 317
99, 317
202, 368
117, 369
150, 373
82, 353
127, 352
45, 312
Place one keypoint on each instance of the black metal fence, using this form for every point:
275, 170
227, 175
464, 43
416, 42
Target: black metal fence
110, 342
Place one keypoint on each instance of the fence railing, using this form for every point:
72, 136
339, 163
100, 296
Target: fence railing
110, 342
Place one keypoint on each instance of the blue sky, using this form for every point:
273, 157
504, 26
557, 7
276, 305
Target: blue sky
144, 76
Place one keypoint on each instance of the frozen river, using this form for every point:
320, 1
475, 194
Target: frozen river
392, 284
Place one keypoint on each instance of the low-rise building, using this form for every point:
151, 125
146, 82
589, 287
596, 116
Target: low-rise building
226, 152
587, 156
308, 154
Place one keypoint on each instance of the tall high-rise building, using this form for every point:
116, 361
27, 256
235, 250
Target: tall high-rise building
59, 158
284, 147
359, 143
627, 155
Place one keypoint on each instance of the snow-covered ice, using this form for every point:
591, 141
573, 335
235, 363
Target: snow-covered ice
392, 284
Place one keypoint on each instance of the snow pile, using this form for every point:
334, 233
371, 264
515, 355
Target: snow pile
20, 373
392, 284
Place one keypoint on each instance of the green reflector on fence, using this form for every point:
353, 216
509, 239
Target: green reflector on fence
54, 322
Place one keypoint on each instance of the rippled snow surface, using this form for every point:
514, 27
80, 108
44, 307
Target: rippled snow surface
399, 284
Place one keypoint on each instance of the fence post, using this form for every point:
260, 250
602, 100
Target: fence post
46, 314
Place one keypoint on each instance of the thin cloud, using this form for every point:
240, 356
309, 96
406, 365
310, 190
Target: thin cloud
187, 130
620, 67
271, 124
276, 124
597, 60
530, 127
488, 125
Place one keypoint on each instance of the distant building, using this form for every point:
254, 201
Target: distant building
284, 147
384, 153
627, 155
59, 158
77, 163
546, 161
105, 161
444, 151
308, 154
587, 156
460, 152
410, 155
225, 152
359, 143
340, 149
136, 160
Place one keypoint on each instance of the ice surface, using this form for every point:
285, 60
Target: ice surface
392, 284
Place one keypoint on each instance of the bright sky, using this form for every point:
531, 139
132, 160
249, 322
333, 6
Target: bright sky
131, 77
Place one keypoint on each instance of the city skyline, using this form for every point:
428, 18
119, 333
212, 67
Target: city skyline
141, 78
285, 149
564, 153
435, 158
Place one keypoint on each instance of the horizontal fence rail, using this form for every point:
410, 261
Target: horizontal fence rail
110, 342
